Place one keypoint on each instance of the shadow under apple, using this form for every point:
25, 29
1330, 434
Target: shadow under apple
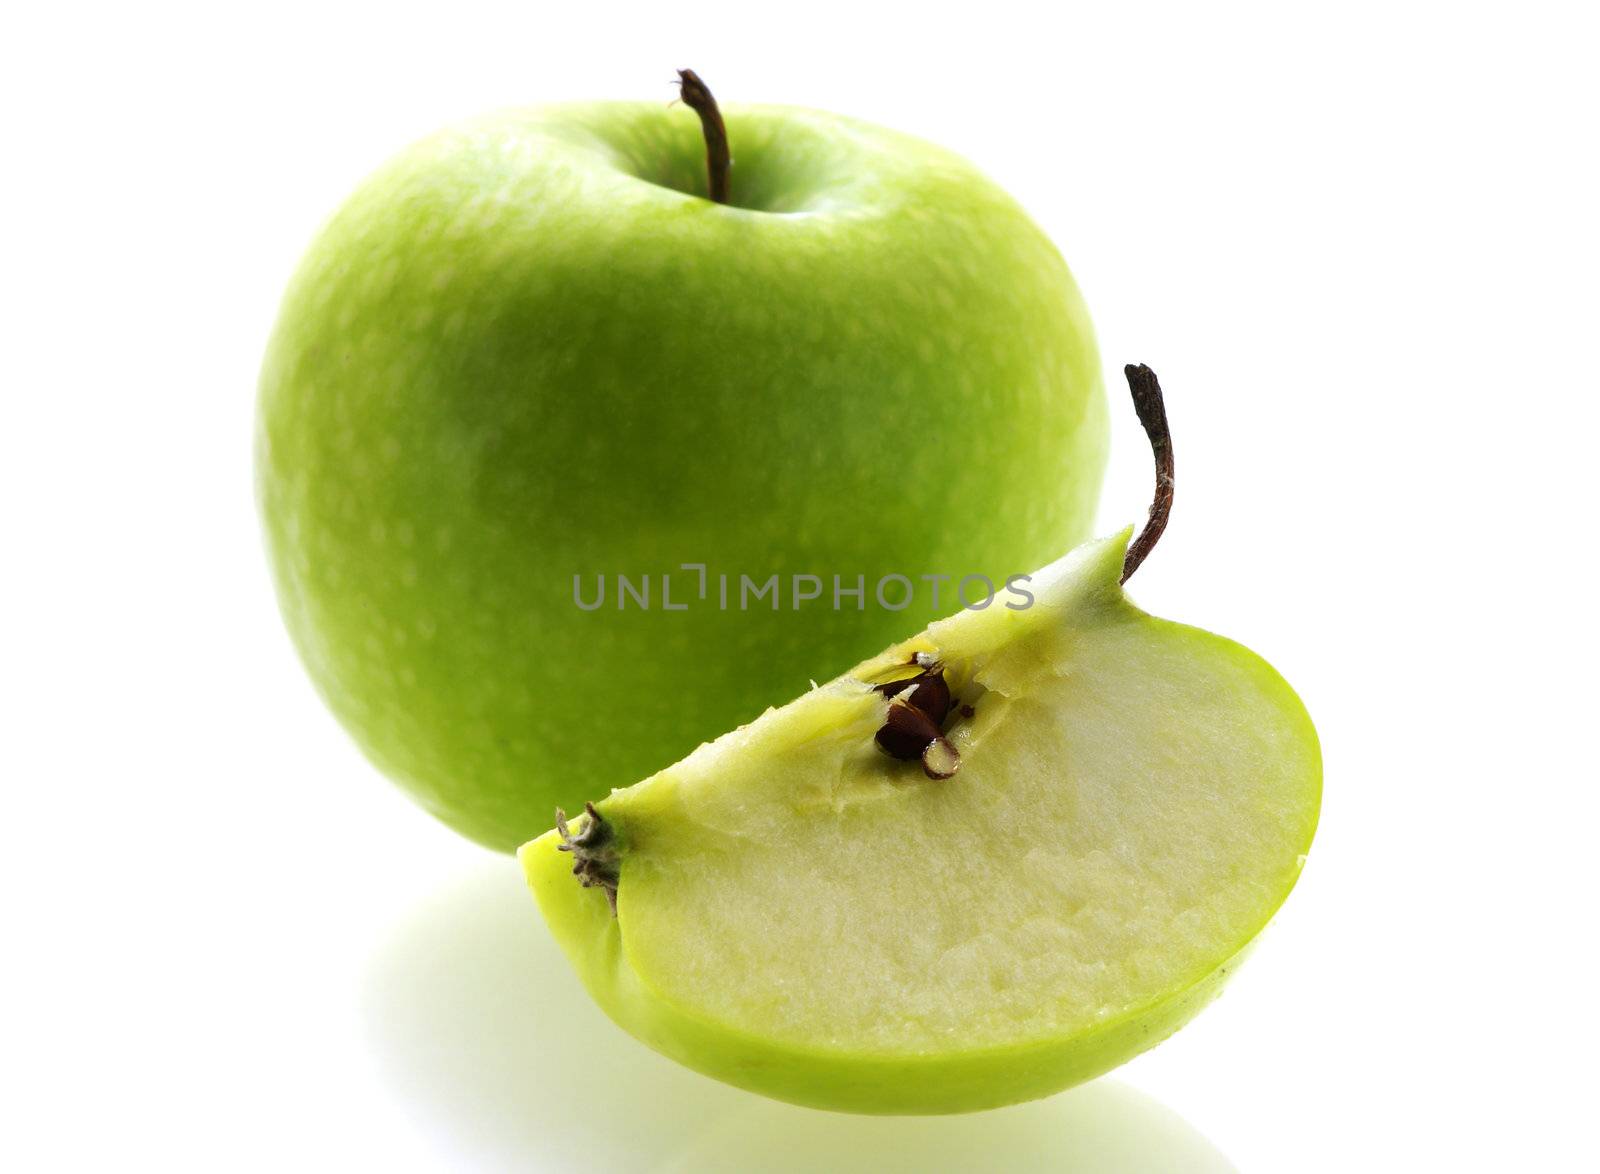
488, 1039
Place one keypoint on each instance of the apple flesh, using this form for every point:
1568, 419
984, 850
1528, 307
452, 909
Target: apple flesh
800, 915
529, 349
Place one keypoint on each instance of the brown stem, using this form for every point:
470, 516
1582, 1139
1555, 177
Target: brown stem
1153, 415
697, 97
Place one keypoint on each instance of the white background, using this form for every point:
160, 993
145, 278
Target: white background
1359, 243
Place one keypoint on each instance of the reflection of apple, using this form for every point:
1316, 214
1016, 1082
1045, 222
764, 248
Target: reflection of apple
529, 349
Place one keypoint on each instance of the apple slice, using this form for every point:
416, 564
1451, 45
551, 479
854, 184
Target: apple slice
1114, 807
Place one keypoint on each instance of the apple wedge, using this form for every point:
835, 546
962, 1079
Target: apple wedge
798, 913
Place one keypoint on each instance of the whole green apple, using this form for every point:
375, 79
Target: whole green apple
529, 357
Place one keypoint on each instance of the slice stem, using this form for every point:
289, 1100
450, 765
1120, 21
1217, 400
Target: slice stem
1152, 411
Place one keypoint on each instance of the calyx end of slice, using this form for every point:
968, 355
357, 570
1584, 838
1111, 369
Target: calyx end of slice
596, 861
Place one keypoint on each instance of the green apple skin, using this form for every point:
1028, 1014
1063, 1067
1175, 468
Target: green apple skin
955, 1081
801, 917
528, 349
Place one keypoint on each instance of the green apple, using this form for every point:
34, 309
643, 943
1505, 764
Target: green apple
529, 356
1117, 806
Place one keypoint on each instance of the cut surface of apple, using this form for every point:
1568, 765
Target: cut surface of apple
799, 914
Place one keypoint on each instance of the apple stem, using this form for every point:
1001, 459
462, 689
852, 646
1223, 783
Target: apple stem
1153, 415
697, 97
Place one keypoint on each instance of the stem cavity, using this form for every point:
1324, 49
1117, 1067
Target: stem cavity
697, 97
1152, 411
